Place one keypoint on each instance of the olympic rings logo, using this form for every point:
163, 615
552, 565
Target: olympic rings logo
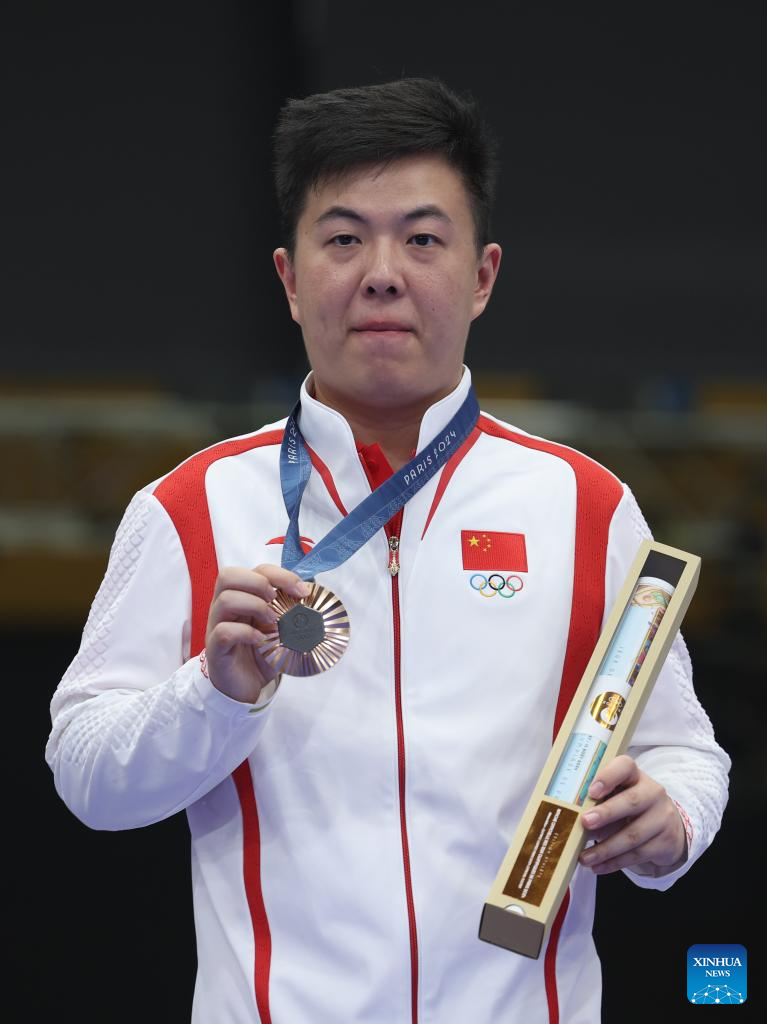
489, 586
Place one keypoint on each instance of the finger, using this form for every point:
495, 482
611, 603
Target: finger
284, 579
659, 834
224, 637
235, 577
654, 851
236, 605
263, 581
607, 867
632, 834
599, 835
627, 803
622, 771
617, 847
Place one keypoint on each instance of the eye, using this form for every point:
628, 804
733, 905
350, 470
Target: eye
424, 240
343, 240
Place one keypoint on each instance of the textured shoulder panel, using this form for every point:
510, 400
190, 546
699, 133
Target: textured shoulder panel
182, 494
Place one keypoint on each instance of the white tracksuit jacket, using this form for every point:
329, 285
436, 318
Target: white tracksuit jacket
345, 834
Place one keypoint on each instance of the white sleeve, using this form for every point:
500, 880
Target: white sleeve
673, 741
139, 732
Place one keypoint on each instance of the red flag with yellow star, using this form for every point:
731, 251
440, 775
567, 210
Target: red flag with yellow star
484, 549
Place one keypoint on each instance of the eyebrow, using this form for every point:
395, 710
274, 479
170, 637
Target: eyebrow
427, 210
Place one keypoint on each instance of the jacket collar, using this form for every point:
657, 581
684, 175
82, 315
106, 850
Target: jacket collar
328, 434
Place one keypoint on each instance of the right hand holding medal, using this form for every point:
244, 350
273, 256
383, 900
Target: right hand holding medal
240, 619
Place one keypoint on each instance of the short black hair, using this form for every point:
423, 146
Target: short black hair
329, 134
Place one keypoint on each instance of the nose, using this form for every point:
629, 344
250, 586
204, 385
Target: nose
382, 274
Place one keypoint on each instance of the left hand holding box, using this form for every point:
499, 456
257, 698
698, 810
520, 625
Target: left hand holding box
636, 825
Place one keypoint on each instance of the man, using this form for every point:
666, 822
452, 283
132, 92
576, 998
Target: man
346, 827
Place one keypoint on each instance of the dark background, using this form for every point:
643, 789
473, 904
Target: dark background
141, 319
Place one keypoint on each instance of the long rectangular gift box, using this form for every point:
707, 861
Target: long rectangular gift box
613, 691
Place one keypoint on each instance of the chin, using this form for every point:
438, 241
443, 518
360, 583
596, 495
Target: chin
390, 390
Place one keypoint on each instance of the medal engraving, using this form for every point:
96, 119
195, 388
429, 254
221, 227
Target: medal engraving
301, 629
310, 636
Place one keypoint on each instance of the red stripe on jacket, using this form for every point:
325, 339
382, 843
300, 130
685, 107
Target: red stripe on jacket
447, 474
182, 493
597, 495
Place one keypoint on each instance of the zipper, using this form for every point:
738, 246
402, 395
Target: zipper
393, 555
393, 531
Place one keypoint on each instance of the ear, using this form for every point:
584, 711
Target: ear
287, 275
487, 272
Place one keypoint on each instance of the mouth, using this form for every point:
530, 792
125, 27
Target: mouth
383, 328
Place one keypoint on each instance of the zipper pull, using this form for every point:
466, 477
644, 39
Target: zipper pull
393, 555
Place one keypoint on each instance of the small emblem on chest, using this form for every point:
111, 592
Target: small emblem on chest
499, 557
306, 543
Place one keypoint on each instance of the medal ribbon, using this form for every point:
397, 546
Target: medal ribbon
369, 516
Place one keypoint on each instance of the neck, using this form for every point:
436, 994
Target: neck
395, 430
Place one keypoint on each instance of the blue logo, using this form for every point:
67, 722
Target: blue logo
716, 973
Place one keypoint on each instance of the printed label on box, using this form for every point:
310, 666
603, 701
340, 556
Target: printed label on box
540, 853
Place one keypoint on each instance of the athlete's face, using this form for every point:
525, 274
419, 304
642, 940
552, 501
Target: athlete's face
386, 280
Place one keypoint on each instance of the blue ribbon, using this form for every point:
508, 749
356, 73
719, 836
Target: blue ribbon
373, 512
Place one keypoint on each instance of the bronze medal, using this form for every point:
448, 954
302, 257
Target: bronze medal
311, 634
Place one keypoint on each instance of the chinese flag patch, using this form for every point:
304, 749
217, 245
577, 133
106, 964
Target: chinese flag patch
482, 549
